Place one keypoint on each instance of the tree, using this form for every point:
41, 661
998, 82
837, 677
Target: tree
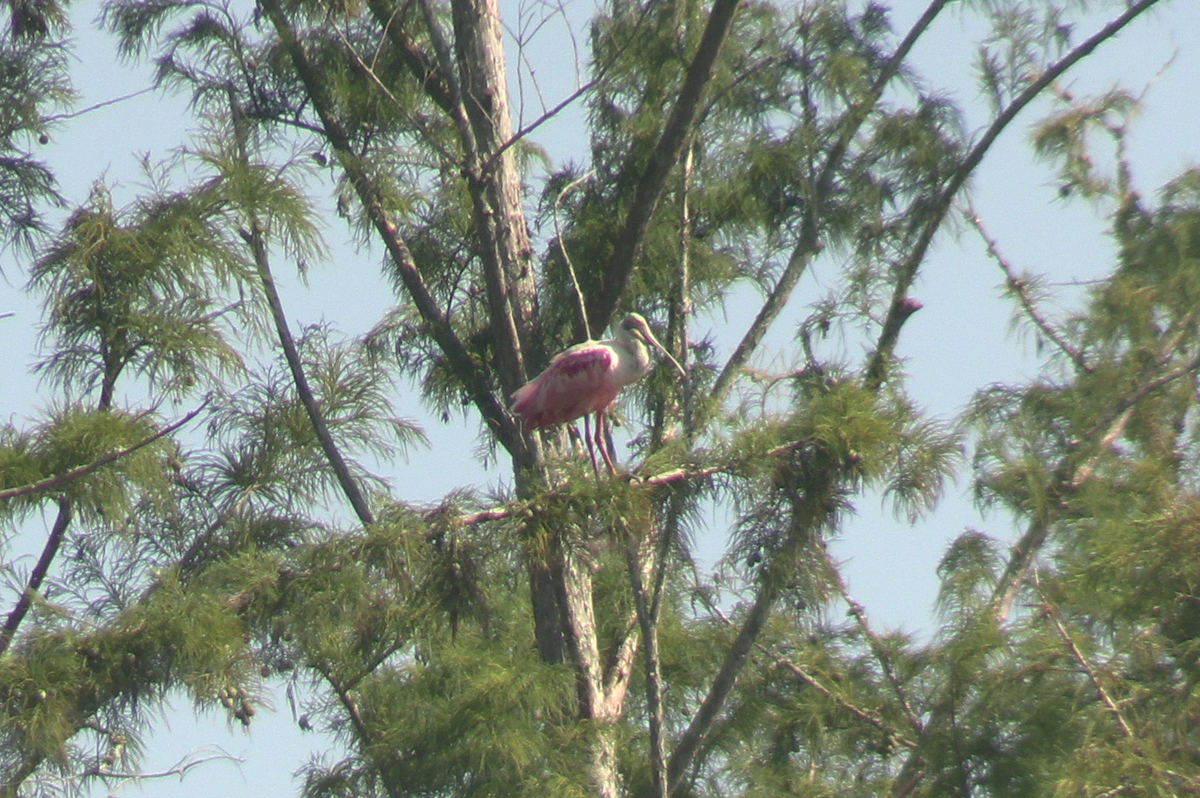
560, 638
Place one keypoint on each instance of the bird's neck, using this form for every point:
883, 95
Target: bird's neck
635, 361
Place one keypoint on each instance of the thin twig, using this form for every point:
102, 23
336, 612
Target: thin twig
1020, 286
1112, 706
179, 769
99, 105
583, 333
885, 661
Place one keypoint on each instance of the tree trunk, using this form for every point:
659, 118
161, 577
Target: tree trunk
480, 51
561, 592
601, 700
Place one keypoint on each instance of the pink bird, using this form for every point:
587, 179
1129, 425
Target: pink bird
586, 379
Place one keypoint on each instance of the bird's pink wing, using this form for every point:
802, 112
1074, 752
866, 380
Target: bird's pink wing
578, 381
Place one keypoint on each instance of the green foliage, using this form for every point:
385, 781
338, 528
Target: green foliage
33, 80
74, 437
140, 293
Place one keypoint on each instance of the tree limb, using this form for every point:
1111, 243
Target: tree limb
647, 615
448, 159
1112, 706
505, 250
38, 575
901, 308
666, 154
1070, 475
58, 480
180, 768
809, 512
424, 68
254, 239
800, 673
598, 74
809, 244
881, 656
801, 256
529, 507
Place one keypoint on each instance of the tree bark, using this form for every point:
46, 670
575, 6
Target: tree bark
480, 45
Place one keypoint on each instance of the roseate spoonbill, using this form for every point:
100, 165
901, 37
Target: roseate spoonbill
586, 379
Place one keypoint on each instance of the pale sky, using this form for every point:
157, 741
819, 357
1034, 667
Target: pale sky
959, 342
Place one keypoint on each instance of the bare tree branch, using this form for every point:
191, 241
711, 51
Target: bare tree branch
597, 76
98, 106
802, 255
422, 66
530, 507
255, 239
448, 159
1020, 287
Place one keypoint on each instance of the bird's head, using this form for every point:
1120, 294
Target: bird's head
635, 326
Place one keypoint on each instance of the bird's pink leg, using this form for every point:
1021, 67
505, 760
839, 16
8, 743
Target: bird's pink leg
587, 436
602, 441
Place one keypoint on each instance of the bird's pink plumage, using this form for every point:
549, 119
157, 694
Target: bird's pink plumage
580, 380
